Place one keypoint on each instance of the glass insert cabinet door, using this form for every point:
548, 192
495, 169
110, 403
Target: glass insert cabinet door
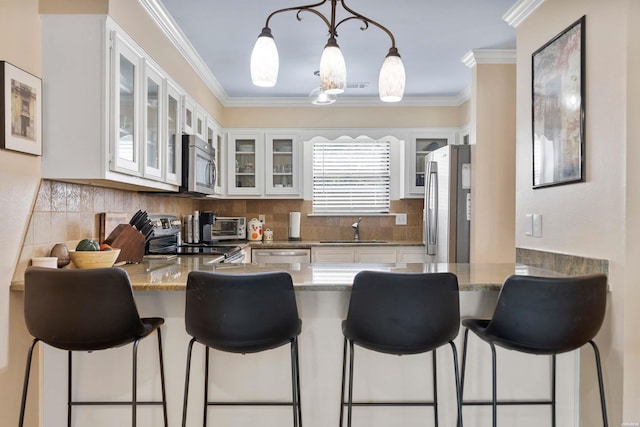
282, 163
245, 164
153, 97
173, 135
125, 140
245, 172
423, 147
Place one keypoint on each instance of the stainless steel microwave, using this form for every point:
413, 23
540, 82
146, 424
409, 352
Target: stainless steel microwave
199, 172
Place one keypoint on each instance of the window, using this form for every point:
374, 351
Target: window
351, 176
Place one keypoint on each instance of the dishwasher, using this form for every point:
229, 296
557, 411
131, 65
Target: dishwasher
281, 256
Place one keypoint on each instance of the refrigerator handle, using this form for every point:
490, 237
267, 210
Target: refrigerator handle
432, 208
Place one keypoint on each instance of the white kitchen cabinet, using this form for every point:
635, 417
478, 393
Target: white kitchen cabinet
188, 115
98, 126
215, 139
201, 123
419, 145
153, 128
410, 254
173, 135
333, 254
126, 106
245, 164
264, 164
363, 253
283, 164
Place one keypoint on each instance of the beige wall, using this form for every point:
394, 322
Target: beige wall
631, 363
344, 117
493, 159
588, 219
19, 178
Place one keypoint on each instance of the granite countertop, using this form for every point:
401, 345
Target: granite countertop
171, 274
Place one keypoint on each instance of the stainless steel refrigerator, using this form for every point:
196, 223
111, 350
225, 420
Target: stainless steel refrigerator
447, 204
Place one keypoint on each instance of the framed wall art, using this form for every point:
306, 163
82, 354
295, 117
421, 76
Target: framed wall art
20, 110
558, 112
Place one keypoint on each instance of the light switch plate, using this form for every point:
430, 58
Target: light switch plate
261, 218
528, 225
401, 219
537, 225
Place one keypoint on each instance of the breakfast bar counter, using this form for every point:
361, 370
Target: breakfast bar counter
170, 273
322, 295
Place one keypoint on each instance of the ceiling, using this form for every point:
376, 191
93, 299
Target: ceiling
432, 36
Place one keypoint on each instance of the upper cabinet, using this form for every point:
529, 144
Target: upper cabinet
172, 133
126, 105
216, 140
419, 145
245, 164
264, 164
112, 116
283, 164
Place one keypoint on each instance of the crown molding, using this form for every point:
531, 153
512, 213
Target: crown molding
172, 31
521, 11
427, 101
489, 56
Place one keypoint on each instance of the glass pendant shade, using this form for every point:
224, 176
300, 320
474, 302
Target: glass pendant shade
333, 70
392, 78
320, 97
264, 60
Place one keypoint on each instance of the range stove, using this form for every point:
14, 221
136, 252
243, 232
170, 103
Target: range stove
165, 240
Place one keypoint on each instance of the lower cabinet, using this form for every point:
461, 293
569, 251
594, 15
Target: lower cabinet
367, 254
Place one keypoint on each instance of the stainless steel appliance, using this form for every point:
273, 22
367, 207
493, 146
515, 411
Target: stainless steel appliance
166, 240
229, 228
447, 204
199, 172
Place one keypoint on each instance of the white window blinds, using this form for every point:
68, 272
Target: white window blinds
351, 176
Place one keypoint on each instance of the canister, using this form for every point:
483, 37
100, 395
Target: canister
254, 232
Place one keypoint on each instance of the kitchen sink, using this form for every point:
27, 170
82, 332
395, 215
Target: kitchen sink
353, 241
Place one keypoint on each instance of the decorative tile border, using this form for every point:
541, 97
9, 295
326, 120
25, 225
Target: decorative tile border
561, 263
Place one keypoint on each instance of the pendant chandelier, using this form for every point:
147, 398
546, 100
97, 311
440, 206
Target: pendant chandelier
333, 70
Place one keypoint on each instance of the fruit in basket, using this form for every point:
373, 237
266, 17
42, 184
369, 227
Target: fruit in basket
105, 247
88, 245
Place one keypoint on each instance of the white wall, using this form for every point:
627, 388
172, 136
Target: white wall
586, 219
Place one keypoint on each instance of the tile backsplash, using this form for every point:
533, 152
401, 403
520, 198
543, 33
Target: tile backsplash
67, 212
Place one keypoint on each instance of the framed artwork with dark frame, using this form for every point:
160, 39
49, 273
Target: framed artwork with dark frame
558, 111
20, 110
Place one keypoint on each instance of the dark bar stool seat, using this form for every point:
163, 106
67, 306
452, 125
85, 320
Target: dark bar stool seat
401, 313
242, 313
86, 310
543, 316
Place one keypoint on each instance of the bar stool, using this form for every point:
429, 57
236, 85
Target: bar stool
400, 314
242, 313
86, 310
543, 316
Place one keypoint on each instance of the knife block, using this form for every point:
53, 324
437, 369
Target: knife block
130, 242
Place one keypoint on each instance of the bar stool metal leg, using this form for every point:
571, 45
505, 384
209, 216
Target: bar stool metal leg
134, 392
25, 385
162, 380
186, 383
435, 388
206, 385
456, 374
494, 382
69, 382
298, 383
344, 367
553, 390
596, 352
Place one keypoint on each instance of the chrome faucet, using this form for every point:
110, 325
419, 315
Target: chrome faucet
356, 229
